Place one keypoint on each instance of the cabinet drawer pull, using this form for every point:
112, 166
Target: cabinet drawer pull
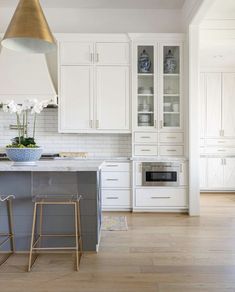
91, 57
145, 137
221, 141
112, 179
160, 197
221, 150
171, 150
112, 198
112, 165
145, 150
171, 137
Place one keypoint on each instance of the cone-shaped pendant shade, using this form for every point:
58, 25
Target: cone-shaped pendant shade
28, 30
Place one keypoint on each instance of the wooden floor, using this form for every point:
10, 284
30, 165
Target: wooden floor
159, 252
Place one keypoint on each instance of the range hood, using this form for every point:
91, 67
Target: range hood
27, 76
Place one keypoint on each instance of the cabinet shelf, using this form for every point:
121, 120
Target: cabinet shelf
171, 94
142, 112
147, 94
145, 74
170, 74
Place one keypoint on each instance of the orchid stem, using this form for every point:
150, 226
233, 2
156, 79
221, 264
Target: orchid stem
34, 125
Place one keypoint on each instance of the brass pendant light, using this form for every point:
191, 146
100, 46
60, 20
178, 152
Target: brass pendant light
28, 30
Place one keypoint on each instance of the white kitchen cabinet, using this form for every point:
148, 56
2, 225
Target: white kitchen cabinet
213, 104
112, 87
171, 102
215, 173
161, 197
96, 99
76, 99
108, 53
76, 53
116, 186
229, 173
228, 105
203, 173
158, 102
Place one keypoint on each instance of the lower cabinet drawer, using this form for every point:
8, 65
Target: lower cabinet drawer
116, 198
161, 197
115, 179
220, 142
145, 137
171, 138
145, 150
220, 150
171, 150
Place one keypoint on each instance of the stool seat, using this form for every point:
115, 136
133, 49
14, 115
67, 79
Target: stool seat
53, 199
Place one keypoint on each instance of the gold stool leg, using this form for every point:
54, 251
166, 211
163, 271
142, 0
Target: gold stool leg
76, 236
79, 230
32, 236
10, 222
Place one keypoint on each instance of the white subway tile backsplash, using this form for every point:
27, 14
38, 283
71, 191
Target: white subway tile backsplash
110, 145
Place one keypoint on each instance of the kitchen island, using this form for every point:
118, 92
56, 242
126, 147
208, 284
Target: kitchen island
53, 177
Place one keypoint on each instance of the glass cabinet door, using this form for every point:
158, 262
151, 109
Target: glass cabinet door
145, 86
171, 99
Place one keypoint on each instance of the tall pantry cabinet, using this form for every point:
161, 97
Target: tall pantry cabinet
217, 97
94, 84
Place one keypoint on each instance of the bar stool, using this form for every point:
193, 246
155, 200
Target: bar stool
10, 235
43, 200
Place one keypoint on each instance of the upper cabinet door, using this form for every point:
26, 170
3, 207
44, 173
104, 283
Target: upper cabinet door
112, 87
75, 100
228, 100
213, 105
171, 89
76, 53
112, 54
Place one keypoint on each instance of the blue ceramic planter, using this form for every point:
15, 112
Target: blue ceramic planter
24, 156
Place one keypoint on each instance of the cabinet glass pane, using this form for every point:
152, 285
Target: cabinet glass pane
145, 84
171, 86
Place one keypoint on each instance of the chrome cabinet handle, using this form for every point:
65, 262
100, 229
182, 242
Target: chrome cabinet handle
112, 198
97, 124
169, 137
221, 141
221, 133
160, 197
155, 124
225, 162
145, 150
91, 123
145, 137
91, 57
171, 150
112, 179
221, 150
161, 124
97, 58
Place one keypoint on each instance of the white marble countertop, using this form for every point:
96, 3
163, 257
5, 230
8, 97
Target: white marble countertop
54, 165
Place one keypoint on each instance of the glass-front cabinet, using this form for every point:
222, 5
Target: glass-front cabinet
146, 111
157, 87
170, 112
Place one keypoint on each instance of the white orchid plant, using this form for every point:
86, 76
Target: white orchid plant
22, 112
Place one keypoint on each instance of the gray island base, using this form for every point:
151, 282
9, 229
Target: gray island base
52, 178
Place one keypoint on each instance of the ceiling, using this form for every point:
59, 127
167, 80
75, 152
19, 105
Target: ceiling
222, 9
105, 4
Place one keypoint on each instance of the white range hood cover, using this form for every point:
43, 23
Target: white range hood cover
25, 76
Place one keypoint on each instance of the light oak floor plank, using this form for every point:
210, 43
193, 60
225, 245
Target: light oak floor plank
158, 253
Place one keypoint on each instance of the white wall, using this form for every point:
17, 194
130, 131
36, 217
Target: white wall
106, 20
